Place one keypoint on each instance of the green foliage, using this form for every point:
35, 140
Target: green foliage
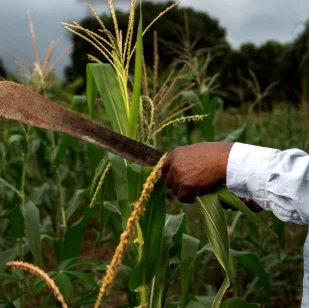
169, 262
138, 73
2, 69
169, 28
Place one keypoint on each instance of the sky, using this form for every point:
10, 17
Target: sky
245, 20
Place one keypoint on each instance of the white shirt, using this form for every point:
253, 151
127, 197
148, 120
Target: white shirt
278, 181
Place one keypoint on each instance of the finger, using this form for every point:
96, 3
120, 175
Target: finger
185, 196
227, 206
186, 199
166, 166
169, 179
175, 188
252, 205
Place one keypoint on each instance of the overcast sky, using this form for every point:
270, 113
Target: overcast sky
244, 20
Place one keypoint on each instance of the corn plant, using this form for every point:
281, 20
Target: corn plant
122, 108
154, 247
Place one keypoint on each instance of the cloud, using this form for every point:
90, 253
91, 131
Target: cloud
245, 20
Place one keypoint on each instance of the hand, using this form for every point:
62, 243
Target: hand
196, 169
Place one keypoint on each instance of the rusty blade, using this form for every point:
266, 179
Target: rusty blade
22, 104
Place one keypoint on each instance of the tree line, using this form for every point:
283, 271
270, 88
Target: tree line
280, 69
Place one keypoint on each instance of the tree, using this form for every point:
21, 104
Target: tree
265, 62
203, 28
295, 70
2, 70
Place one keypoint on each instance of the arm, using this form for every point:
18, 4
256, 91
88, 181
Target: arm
276, 180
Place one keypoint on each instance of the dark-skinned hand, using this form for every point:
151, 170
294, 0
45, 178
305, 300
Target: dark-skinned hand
196, 169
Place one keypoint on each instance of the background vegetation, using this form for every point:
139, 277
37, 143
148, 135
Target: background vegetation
256, 95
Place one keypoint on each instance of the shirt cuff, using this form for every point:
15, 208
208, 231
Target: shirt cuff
247, 171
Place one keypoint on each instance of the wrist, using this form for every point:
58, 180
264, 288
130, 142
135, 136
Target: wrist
225, 148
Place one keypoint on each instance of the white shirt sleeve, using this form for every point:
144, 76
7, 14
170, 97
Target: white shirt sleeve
277, 181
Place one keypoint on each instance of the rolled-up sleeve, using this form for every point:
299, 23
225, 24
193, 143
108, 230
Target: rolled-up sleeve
277, 181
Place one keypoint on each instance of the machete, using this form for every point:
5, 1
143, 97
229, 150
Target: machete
19, 103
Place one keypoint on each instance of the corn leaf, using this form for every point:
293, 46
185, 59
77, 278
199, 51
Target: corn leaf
119, 171
9, 255
11, 187
238, 303
17, 223
194, 304
205, 300
216, 230
66, 141
105, 80
135, 182
91, 90
73, 238
226, 196
64, 284
32, 231
137, 77
74, 203
251, 261
188, 257
174, 224
152, 225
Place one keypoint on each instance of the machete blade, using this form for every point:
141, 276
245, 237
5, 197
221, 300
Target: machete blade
19, 103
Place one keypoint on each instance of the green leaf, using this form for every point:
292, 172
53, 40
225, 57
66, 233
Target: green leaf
152, 225
4, 299
138, 73
16, 138
125, 274
194, 304
67, 263
188, 257
173, 224
17, 295
74, 203
32, 231
107, 83
9, 278
79, 101
73, 238
113, 207
226, 196
119, 170
206, 300
238, 303
17, 223
99, 171
64, 284
11, 187
135, 182
9, 255
95, 156
66, 141
84, 277
250, 260
158, 284
38, 286
237, 135
216, 230
91, 90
